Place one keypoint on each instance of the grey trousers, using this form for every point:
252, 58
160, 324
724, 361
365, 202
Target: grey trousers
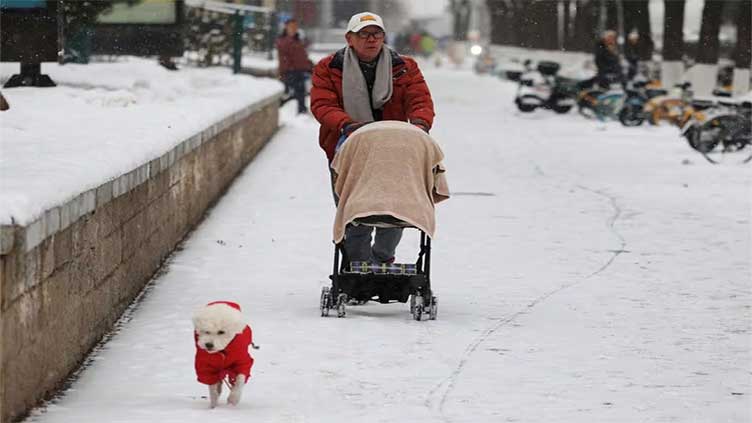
358, 239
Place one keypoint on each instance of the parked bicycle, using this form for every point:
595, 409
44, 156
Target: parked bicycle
632, 112
723, 127
626, 104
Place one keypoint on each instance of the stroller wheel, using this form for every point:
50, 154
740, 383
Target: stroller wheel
325, 301
341, 301
433, 309
416, 307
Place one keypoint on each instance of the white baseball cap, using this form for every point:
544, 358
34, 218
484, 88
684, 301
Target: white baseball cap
362, 20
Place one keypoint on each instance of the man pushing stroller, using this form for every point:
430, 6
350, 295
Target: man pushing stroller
365, 82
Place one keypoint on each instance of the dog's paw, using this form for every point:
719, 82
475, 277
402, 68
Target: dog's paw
235, 394
214, 391
234, 398
236, 391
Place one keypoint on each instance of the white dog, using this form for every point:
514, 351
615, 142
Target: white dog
222, 339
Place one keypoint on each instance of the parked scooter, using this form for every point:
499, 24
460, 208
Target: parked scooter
546, 90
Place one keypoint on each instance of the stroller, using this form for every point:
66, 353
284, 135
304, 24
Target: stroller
363, 281
386, 283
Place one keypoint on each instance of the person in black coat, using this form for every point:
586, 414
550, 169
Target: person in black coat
632, 53
607, 60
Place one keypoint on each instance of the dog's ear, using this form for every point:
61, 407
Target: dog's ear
199, 320
239, 324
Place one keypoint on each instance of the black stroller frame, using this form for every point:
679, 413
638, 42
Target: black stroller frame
382, 287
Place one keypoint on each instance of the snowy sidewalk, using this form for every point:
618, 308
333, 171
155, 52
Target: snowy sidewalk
583, 275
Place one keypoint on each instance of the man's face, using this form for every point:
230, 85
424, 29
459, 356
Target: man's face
367, 42
292, 28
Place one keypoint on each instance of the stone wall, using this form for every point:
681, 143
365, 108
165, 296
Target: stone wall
68, 276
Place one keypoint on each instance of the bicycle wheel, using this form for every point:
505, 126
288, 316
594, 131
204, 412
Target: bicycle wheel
631, 115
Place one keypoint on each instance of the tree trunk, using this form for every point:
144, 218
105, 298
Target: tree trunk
461, 10
502, 16
521, 22
672, 67
612, 14
496, 13
637, 17
567, 21
584, 26
511, 29
673, 35
705, 73
540, 25
549, 24
743, 52
708, 44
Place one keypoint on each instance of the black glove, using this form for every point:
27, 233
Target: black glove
420, 123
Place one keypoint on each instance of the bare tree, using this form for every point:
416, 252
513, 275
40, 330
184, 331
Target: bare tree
672, 51
534, 25
461, 10
637, 17
704, 74
673, 24
708, 45
743, 52
584, 26
520, 21
608, 11
503, 15
499, 11
568, 22
547, 23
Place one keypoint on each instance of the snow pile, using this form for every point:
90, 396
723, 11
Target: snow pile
103, 120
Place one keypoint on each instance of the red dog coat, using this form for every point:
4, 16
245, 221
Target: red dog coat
234, 360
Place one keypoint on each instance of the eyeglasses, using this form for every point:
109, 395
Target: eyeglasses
364, 35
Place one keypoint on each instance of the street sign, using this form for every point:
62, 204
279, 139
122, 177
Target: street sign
28, 31
145, 28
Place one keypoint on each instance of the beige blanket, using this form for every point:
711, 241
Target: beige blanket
389, 168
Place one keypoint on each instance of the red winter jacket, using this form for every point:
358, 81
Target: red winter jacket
292, 55
234, 360
410, 100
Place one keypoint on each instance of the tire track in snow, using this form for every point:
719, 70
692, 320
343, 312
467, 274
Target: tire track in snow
437, 397
611, 222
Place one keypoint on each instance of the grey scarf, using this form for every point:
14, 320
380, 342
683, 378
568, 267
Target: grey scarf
355, 90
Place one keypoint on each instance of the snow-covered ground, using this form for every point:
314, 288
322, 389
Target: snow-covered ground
586, 273
104, 120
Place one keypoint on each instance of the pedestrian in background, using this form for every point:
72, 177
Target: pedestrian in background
607, 60
3, 103
632, 53
294, 64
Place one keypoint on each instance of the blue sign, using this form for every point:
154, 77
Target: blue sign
282, 17
249, 21
23, 4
